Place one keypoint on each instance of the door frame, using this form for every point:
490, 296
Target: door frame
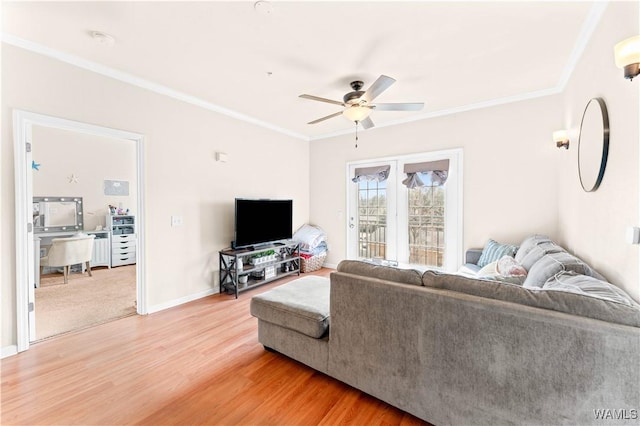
23, 122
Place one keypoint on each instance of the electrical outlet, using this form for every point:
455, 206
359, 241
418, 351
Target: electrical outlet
176, 221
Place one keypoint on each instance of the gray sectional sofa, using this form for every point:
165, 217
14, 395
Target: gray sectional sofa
454, 349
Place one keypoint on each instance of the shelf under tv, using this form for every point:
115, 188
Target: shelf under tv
236, 264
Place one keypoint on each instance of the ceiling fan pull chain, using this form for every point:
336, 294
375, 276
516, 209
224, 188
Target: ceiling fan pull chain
356, 134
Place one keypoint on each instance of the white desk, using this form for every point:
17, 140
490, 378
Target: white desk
101, 248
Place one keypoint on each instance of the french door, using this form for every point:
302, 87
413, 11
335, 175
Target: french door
407, 210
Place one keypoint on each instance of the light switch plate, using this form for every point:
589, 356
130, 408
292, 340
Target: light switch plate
632, 236
176, 221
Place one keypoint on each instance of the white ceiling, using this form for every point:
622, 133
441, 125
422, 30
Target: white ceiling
232, 58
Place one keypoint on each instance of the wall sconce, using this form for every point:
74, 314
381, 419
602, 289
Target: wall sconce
561, 138
627, 54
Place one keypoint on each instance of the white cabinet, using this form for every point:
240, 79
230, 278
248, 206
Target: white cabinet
101, 249
123, 239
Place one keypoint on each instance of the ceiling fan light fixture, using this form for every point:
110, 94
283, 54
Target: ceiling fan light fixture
356, 112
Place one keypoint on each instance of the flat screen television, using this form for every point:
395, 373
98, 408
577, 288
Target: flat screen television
262, 221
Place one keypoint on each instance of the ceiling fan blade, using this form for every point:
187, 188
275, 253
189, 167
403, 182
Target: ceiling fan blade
335, 114
380, 85
415, 106
367, 123
317, 98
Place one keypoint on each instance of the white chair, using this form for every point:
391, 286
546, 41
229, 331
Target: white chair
69, 251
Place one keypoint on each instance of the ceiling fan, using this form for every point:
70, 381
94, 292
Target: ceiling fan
358, 103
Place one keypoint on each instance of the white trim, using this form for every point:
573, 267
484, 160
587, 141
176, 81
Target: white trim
181, 301
140, 82
8, 351
588, 27
22, 234
24, 120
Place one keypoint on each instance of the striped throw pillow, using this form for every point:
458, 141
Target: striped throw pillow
493, 251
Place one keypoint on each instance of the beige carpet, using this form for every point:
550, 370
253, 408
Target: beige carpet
85, 301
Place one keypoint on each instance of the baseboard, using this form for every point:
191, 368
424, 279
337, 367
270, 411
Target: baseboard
181, 301
330, 265
8, 351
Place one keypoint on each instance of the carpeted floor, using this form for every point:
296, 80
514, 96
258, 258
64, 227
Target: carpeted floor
85, 301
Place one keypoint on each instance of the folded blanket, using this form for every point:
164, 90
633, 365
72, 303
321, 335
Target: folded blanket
311, 238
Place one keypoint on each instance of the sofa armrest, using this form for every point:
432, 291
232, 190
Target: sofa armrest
473, 255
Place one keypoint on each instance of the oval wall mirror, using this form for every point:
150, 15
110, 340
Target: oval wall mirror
593, 144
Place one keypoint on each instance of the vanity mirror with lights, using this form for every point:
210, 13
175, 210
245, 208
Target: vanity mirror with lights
57, 214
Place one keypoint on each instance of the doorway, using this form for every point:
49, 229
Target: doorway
407, 210
26, 125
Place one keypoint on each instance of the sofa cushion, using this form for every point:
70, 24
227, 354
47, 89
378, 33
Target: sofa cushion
494, 250
560, 301
301, 305
553, 263
528, 244
538, 251
589, 286
389, 273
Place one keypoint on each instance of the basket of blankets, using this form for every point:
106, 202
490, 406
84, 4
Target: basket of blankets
313, 247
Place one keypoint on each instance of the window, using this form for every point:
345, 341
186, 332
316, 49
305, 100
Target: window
426, 225
372, 219
407, 210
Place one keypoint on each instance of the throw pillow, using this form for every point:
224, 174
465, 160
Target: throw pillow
508, 267
489, 269
493, 251
536, 253
553, 263
528, 244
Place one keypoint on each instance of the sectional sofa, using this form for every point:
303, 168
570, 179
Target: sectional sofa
458, 349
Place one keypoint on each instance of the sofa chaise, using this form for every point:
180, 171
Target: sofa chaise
453, 349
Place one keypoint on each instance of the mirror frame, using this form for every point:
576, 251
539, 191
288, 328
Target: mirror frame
78, 226
605, 144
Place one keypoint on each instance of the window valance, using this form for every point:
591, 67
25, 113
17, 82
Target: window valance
377, 173
429, 173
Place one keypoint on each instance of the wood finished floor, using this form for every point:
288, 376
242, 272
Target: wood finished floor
198, 363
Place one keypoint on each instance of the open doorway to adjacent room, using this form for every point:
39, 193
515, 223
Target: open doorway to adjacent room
76, 180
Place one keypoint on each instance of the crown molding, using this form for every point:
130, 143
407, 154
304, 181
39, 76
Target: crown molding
140, 82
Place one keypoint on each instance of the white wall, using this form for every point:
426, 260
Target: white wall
91, 160
592, 225
510, 169
182, 176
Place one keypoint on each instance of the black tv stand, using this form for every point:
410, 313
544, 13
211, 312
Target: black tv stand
248, 267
